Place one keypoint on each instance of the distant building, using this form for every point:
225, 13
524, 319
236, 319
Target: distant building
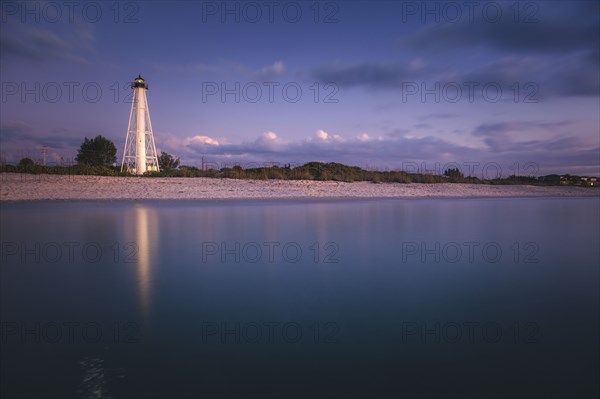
589, 181
569, 180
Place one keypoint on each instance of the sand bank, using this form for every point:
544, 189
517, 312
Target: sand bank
23, 187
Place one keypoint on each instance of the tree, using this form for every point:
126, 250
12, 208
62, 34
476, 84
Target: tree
26, 163
454, 174
97, 151
167, 162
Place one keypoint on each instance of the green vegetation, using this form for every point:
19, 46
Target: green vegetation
98, 151
26, 163
167, 162
454, 174
318, 171
37, 169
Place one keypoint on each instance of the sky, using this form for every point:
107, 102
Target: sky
493, 88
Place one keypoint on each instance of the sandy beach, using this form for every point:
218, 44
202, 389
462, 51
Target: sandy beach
24, 187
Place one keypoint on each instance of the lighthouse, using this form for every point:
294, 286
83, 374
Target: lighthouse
139, 155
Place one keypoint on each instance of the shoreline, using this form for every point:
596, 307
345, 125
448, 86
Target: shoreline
17, 187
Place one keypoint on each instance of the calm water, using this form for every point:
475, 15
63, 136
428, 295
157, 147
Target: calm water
425, 298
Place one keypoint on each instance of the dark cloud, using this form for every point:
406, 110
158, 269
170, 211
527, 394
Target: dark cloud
439, 115
542, 76
531, 78
549, 30
11, 129
554, 57
34, 42
423, 126
499, 138
390, 75
502, 128
18, 134
578, 75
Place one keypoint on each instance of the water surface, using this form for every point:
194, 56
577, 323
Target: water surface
417, 298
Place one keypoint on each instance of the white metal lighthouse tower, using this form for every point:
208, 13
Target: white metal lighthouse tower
139, 155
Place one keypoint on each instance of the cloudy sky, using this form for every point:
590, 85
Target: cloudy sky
492, 87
